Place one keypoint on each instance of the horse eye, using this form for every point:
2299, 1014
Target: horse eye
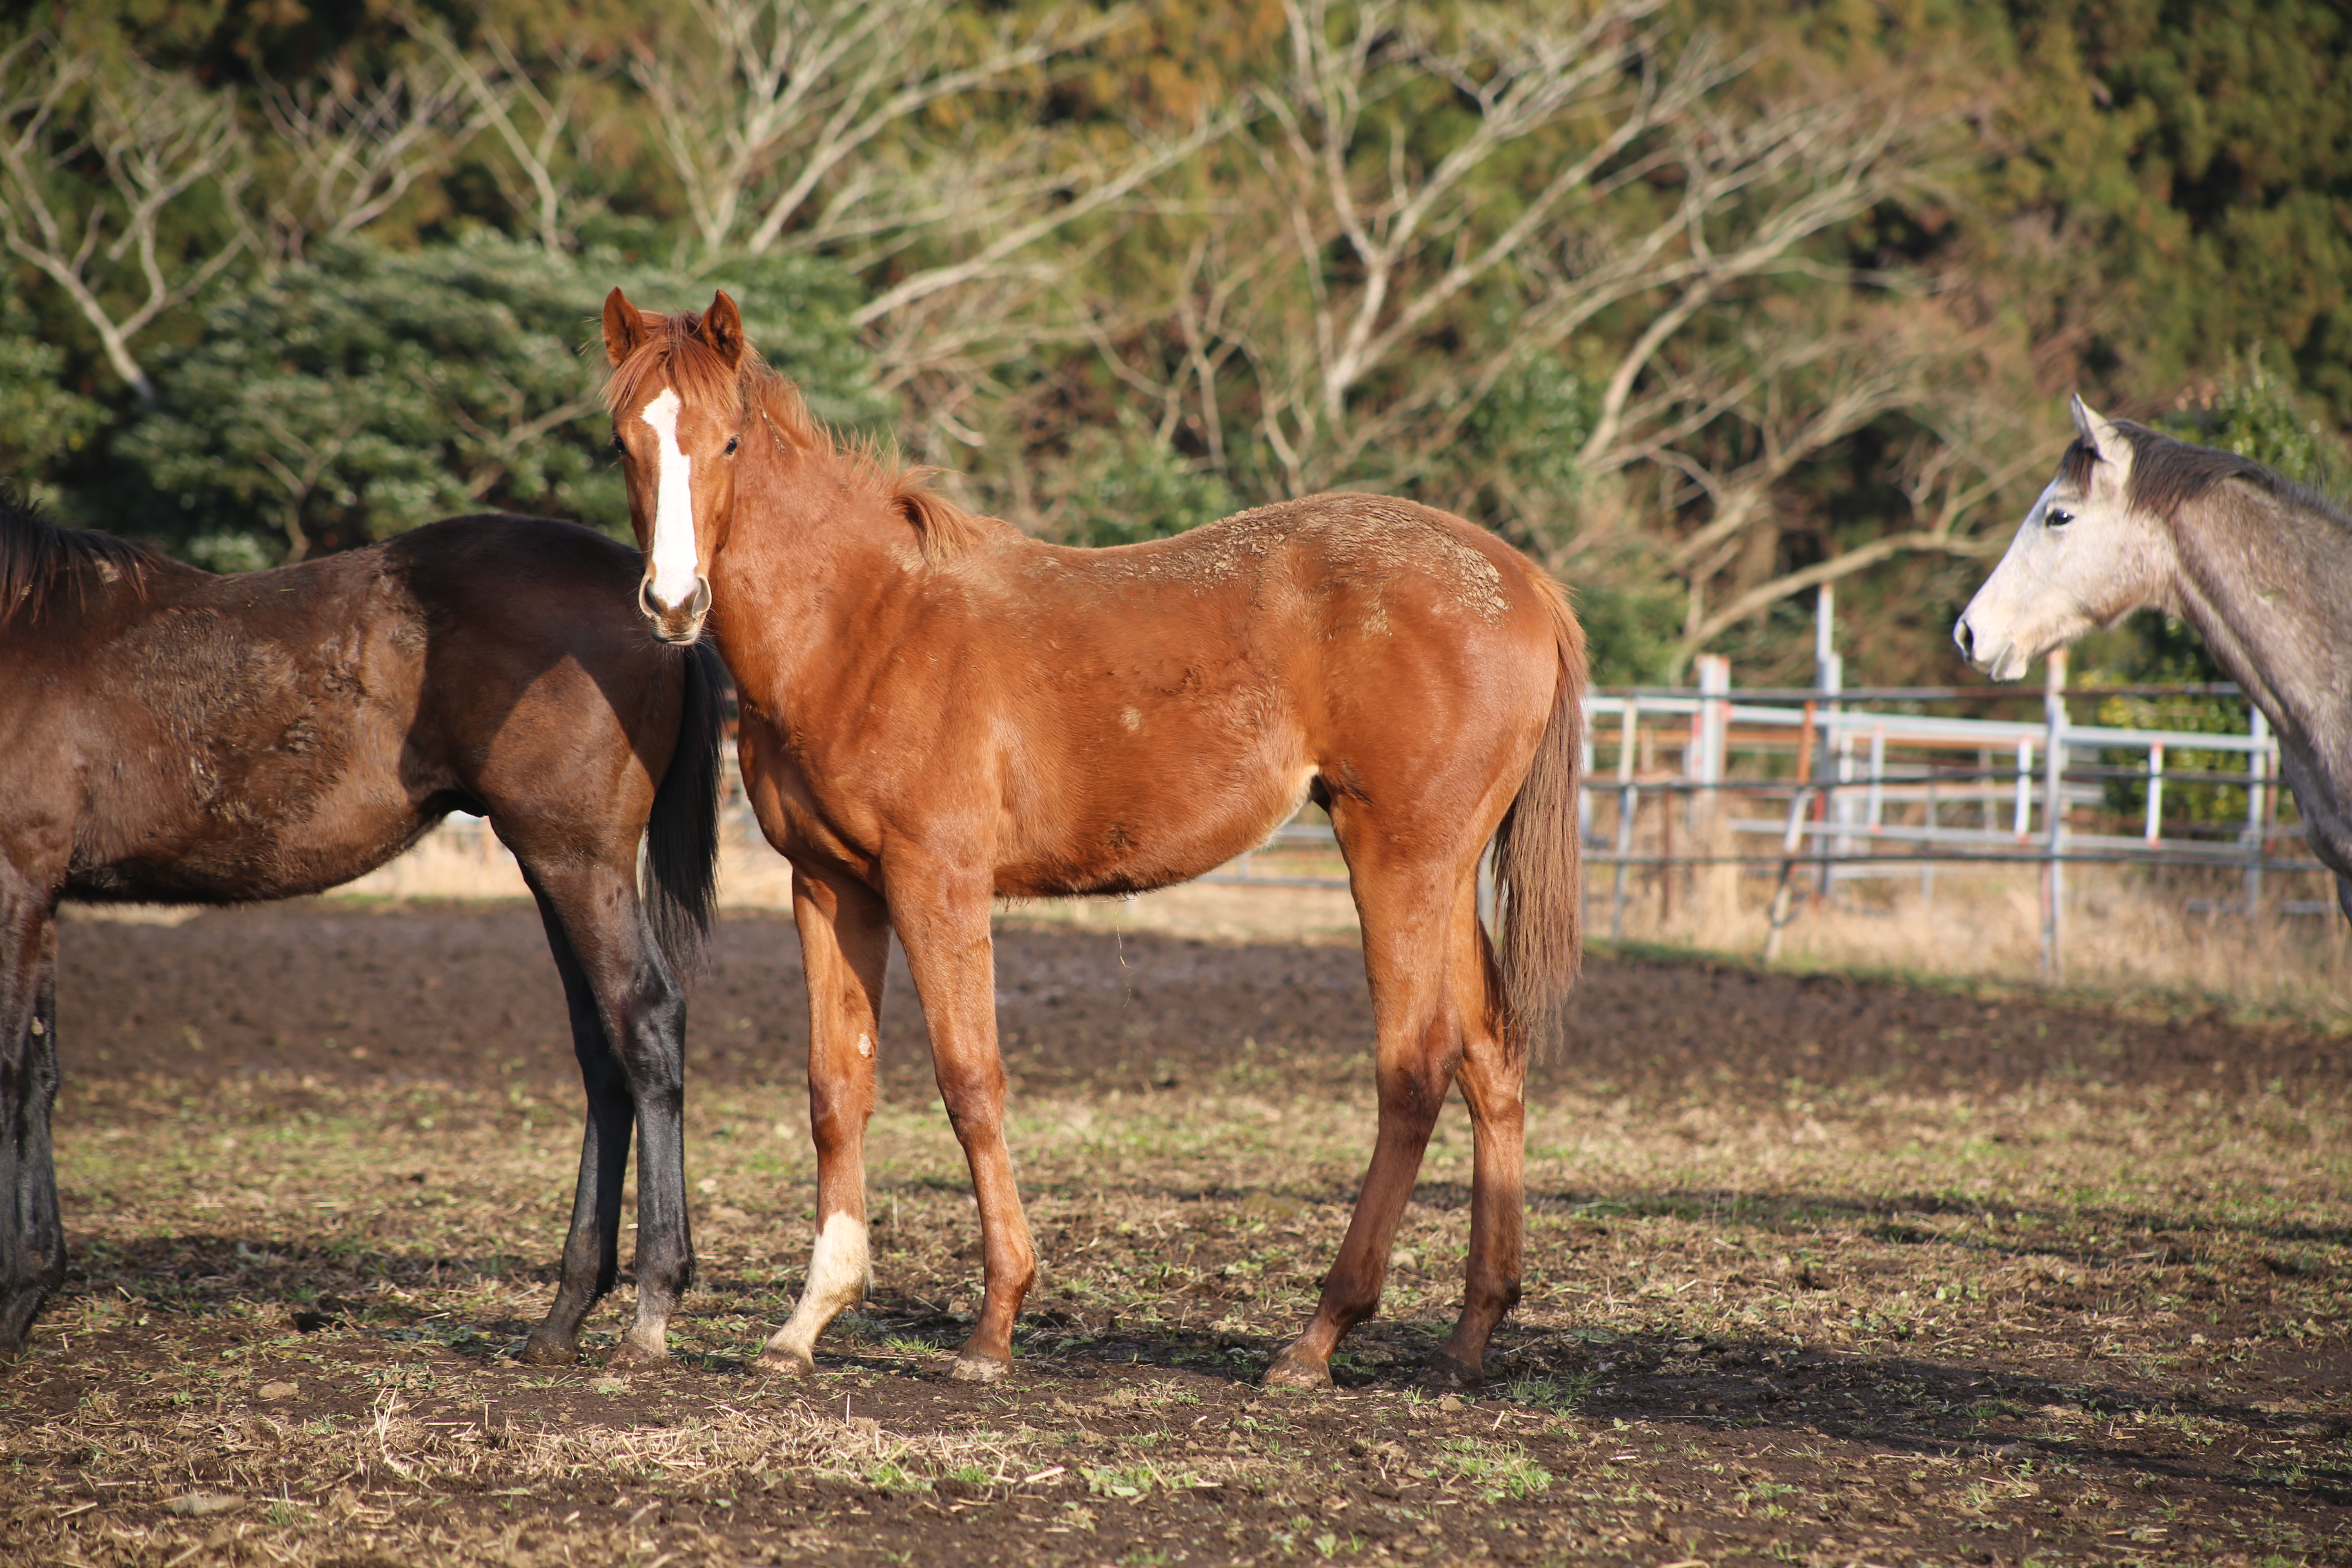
617, 442
731, 441
2057, 517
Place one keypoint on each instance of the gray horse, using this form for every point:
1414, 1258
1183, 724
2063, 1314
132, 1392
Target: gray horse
2261, 567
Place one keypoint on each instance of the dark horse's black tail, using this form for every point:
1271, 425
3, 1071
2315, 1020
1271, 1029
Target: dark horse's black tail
682, 835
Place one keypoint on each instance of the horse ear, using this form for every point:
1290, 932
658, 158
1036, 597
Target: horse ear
625, 327
723, 329
2097, 434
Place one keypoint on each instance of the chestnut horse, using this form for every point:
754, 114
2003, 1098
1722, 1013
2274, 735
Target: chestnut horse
170, 735
938, 711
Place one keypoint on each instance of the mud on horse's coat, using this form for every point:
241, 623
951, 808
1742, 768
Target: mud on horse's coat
172, 736
937, 710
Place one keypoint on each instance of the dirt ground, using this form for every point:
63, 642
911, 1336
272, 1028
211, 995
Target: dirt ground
1819, 1270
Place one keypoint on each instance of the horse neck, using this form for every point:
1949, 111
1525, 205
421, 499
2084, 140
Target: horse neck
2264, 580
813, 569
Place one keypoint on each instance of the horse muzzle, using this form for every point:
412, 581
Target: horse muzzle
677, 625
2002, 661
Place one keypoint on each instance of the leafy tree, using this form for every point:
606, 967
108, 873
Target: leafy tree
39, 419
1124, 485
364, 392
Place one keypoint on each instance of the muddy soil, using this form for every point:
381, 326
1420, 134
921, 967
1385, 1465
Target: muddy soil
1654, 1448
465, 995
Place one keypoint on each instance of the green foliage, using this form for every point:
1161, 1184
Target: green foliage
1124, 486
2156, 186
2204, 149
2258, 414
367, 391
1630, 632
39, 419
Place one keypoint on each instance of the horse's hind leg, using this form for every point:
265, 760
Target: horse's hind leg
32, 1232
1492, 1076
628, 1029
845, 945
591, 1245
1406, 915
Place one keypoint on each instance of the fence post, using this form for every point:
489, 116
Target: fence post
2258, 729
2053, 820
2155, 792
1584, 773
1791, 836
2023, 826
1829, 675
1626, 800
1715, 725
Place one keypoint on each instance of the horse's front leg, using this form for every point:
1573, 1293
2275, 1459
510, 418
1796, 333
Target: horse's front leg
845, 947
942, 921
32, 1232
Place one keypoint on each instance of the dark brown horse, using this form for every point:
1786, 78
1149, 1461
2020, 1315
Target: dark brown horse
172, 736
938, 711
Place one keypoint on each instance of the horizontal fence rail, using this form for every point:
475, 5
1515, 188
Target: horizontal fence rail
1818, 786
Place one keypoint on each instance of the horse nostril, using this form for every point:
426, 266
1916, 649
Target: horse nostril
1961, 637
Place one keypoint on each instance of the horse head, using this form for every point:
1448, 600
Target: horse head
678, 410
2085, 556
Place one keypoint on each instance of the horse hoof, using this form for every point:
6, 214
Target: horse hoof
1291, 1370
1447, 1369
971, 1368
631, 1356
536, 1352
773, 1362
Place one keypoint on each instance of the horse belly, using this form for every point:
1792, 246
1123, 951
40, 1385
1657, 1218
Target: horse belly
1151, 826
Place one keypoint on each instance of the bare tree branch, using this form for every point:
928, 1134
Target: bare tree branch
536, 114
761, 104
160, 142
356, 146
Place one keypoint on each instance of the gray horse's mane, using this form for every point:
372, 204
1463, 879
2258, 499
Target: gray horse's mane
2167, 473
35, 554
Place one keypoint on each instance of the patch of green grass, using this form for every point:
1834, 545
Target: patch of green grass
1561, 1394
1136, 1479
1499, 1470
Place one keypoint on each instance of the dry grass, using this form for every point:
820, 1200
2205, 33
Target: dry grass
2127, 931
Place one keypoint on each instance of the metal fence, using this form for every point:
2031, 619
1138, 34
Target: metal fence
1818, 786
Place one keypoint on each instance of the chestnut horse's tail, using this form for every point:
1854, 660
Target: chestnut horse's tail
1539, 854
682, 834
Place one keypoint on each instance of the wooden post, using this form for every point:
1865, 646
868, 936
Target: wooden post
2054, 821
1791, 838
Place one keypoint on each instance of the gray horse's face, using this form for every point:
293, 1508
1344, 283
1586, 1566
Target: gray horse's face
2082, 558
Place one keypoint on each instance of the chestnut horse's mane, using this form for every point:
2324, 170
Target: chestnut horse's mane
35, 554
700, 376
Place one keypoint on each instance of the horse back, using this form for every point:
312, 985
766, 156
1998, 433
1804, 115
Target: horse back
211, 739
1176, 700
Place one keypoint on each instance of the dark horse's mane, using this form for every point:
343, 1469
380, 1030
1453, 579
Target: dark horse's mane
2167, 473
674, 347
35, 555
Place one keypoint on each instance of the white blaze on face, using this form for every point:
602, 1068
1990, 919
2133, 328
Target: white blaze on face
673, 548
